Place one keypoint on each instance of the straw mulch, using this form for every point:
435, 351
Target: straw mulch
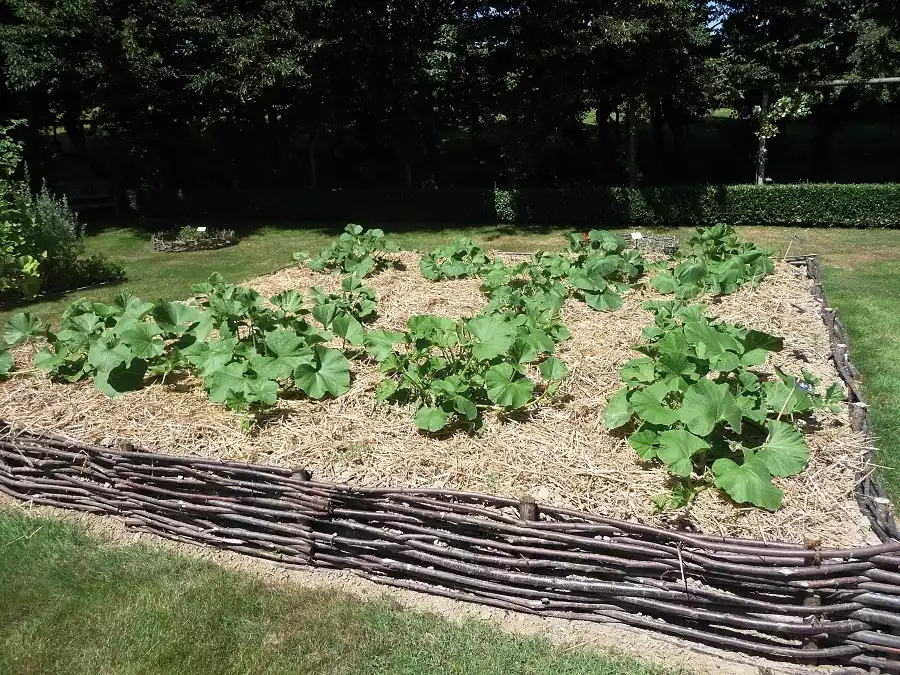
560, 452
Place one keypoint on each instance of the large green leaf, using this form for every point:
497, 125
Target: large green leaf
645, 443
607, 301
437, 329
105, 355
757, 345
380, 343
127, 303
329, 373
431, 419
494, 336
708, 340
553, 369
85, 323
749, 482
6, 362
48, 360
639, 371
677, 447
176, 317
142, 339
785, 398
618, 411
226, 381
290, 301
348, 328
124, 377
785, 452
261, 391
690, 272
650, 406
706, 404
208, 357
21, 327
665, 282
506, 387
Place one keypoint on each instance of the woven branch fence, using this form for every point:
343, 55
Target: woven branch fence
796, 602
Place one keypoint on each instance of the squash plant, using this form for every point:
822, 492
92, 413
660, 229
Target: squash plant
357, 251
714, 260
452, 369
19, 329
242, 350
694, 402
462, 258
343, 313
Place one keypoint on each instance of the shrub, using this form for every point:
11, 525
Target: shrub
19, 256
57, 231
810, 205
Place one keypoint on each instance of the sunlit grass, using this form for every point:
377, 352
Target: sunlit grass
71, 605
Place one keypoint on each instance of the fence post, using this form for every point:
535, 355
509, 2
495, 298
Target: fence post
812, 599
528, 508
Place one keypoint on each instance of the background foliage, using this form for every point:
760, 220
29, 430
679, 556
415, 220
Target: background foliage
172, 97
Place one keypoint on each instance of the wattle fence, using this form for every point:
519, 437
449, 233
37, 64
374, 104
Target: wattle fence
797, 602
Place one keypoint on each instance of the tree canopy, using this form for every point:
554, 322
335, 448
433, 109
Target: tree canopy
414, 93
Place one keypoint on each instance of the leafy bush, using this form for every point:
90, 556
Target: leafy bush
20, 258
807, 205
715, 260
451, 369
357, 251
256, 352
462, 258
694, 403
57, 231
41, 240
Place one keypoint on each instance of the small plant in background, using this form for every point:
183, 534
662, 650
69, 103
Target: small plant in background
695, 403
357, 251
715, 260
462, 258
452, 369
190, 233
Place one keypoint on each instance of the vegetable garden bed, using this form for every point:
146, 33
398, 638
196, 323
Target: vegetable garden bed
557, 451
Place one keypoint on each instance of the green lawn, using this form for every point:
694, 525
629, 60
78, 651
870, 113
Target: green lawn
76, 606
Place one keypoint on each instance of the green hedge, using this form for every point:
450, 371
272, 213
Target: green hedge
812, 205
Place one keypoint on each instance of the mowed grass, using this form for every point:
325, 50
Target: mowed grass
72, 605
862, 279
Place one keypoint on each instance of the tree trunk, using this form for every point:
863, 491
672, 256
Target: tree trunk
313, 169
631, 153
761, 146
659, 141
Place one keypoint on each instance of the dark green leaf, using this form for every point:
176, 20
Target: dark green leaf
677, 447
749, 482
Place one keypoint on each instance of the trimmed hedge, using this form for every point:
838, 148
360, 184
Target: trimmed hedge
810, 205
